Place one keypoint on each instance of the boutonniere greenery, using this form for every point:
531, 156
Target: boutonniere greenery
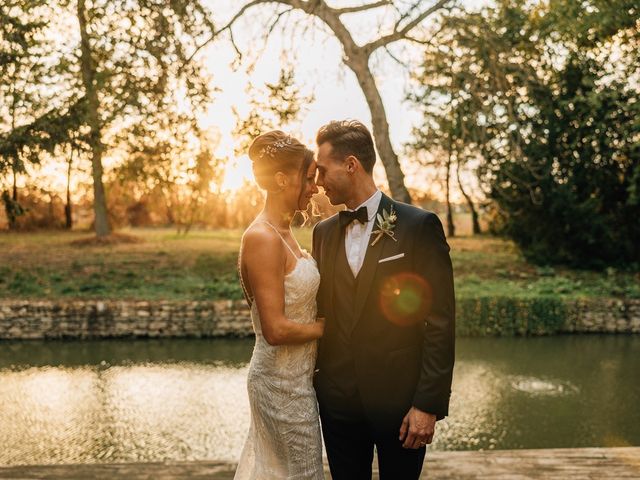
386, 224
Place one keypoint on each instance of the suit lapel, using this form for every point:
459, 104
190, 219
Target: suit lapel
370, 263
330, 255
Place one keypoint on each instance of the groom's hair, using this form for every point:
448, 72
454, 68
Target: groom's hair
349, 137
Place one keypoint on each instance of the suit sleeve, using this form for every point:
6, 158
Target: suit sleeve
433, 263
315, 253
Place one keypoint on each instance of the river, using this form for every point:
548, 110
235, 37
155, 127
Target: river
153, 400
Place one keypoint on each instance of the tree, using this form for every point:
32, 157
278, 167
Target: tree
560, 139
357, 58
166, 158
129, 53
277, 106
76, 148
450, 96
437, 138
21, 71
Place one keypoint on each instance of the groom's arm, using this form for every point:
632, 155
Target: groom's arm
434, 265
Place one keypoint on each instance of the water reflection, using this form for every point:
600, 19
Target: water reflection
540, 386
121, 401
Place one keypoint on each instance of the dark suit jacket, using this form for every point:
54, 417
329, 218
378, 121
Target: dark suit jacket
402, 340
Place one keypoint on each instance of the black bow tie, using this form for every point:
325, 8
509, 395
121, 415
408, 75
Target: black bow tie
346, 216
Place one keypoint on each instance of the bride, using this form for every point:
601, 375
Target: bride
280, 281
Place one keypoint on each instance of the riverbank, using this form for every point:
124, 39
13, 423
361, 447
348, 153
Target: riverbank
55, 285
25, 319
570, 463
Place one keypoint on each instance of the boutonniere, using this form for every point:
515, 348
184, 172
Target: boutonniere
386, 224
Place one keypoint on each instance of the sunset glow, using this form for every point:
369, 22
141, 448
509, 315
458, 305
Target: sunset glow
237, 172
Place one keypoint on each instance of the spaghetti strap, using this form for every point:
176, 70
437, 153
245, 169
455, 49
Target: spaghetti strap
245, 291
281, 237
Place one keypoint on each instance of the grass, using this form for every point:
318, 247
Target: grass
202, 265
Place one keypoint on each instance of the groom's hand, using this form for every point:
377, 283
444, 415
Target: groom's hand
417, 428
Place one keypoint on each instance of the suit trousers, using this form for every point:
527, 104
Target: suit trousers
350, 436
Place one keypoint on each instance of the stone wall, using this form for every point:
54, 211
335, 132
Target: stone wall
603, 316
108, 318
21, 319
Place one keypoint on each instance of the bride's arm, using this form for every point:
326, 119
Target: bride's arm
265, 258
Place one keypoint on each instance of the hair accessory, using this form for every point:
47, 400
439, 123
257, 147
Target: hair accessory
272, 149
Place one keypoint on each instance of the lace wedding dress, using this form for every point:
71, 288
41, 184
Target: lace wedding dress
284, 439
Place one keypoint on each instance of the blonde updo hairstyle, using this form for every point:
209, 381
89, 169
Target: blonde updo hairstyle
274, 152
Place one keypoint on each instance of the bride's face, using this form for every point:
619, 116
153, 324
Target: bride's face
299, 189
308, 188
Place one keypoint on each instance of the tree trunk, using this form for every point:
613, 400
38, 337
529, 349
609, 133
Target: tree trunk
358, 63
93, 119
13, 219
15, 185
451, 230
10, 202
67, 208
171, 218
472, 207
14, 192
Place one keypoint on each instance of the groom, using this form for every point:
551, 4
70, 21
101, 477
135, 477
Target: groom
385, 362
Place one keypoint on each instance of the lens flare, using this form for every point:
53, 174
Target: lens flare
405, 299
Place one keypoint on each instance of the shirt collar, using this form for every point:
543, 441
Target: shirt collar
372, 204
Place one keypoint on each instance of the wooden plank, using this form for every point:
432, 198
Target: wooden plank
574, 464
133, 471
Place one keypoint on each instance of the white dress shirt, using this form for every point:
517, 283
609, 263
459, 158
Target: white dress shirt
357, 235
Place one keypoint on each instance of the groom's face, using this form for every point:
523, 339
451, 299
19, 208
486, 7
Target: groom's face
332, 175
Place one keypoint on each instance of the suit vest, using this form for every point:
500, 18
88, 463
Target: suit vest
340, 366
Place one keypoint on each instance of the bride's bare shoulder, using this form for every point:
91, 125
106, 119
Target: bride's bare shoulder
260, 238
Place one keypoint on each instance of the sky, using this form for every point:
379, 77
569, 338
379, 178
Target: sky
316, 56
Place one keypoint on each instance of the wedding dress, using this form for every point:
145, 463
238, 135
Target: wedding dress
284, 440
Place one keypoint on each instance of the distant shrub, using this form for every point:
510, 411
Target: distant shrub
502, 316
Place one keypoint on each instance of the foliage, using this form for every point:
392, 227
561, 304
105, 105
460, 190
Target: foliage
141, 68
55, 127
553, 119
499, 316
586, 157
394, 22
128, 66
12, 209
22, 49
274, 107
165, 162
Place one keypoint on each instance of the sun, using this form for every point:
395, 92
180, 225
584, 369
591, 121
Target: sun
237, 172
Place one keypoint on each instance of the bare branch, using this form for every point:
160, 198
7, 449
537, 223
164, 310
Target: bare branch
368, 6
396, 59
234, 19
400, 33
417, 40
405, 15
276, 21
430, 41
235, 46
265, 37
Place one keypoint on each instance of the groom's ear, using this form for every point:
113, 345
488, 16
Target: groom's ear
351, 163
